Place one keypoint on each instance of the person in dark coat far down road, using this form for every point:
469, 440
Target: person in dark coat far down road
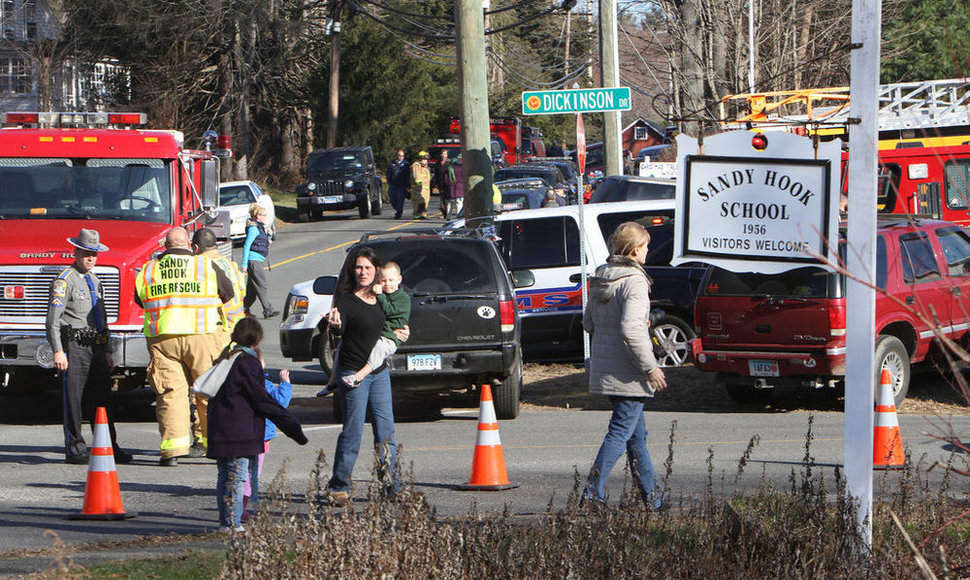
237, 424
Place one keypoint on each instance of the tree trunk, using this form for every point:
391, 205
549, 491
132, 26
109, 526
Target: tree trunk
225, 110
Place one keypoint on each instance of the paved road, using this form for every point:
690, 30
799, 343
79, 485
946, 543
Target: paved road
544, 449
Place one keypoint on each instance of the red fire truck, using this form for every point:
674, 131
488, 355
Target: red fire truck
60, 172
924, 138
931, 181
520, 142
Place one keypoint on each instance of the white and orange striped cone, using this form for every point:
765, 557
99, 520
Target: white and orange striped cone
488, 463
102, 494
887, 442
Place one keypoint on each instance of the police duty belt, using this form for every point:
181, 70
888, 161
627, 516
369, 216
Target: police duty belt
85, 336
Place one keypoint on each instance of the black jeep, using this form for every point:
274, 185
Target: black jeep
338, 179
464, 325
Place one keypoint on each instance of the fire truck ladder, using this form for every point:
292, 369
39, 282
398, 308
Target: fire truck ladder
902, 106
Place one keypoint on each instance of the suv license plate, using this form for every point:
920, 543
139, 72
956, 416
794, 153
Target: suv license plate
763, 368
424, 362
330, 199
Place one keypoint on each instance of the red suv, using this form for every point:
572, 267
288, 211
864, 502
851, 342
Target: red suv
758, 331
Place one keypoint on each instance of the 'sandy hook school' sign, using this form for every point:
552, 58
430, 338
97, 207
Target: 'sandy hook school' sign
751, 210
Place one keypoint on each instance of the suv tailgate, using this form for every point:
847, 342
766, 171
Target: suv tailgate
789, 311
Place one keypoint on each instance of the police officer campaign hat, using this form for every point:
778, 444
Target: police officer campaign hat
88, 240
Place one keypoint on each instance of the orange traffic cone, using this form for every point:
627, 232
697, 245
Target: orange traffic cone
887, 443
488, 463
102, 495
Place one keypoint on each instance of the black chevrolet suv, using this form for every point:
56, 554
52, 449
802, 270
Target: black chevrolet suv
338, 179
465, 330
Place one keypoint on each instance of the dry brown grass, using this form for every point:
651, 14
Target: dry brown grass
795, 533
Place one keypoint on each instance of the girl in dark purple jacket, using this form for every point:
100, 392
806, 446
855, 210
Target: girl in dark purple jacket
237, 423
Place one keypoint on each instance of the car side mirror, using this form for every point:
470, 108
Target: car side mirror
303, 172
210, 183
523, 278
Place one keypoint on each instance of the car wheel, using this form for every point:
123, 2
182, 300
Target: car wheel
507, 394
674, 336
303, 216
364, 207
377, 205
892, 356
744, 393
328, 344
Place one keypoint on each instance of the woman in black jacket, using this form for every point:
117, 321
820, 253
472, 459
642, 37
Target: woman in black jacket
237, 422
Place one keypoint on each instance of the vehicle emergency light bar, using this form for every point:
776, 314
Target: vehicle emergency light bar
455, 125
74, 119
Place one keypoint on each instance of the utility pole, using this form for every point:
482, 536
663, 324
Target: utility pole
589, 37
565, 58
609, 54
333, 28
473, 103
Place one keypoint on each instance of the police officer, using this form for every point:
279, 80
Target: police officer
204, 244
77, 330
181, 294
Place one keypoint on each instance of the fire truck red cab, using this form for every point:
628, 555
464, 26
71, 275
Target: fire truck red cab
926, 180
60, 172
929, 181
520, 142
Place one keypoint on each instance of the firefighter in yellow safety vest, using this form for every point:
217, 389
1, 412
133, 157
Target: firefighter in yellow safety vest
204, 244
182, 295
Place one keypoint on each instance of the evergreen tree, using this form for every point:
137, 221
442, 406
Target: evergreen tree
929, 40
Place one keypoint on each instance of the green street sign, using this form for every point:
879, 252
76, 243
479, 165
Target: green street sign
576, 101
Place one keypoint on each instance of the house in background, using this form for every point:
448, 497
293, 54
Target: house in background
38, 73
641, 134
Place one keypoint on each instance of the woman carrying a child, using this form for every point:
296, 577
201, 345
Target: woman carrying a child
359, 319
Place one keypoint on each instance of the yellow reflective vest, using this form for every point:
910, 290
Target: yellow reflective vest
180, 295
234, 310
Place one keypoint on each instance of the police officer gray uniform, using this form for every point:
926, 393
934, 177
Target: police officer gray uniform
78, 332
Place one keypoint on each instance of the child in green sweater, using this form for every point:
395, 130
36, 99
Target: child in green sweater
396, 304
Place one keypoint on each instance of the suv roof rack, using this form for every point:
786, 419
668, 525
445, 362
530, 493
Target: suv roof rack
398, 233
482, 233
904, 218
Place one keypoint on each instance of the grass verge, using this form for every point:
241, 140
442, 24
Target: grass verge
920, 529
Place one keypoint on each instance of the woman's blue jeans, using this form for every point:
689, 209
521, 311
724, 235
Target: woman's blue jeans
372, 395
627, 432
230, 484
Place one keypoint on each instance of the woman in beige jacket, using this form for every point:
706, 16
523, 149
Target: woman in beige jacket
622, 365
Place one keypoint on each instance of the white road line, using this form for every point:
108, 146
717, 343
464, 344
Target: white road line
322, 428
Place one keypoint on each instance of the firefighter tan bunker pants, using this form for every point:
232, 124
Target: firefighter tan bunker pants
176, 360
200, 419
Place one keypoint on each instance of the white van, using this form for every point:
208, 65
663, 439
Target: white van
546, 242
